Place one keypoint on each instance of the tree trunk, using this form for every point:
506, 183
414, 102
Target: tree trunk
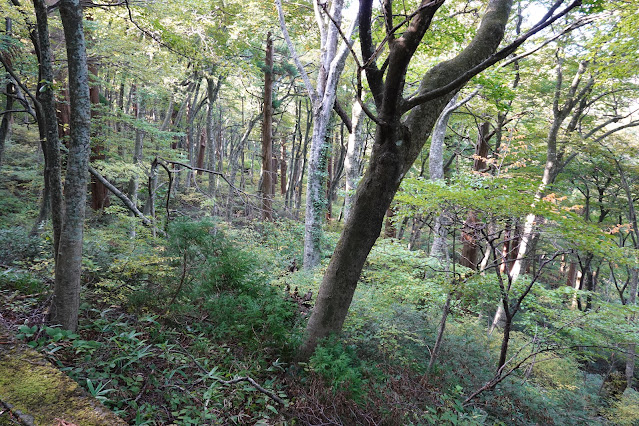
396, 147
66, 293
554, 164
352, 161
439, 249
267, 134
632, 301
283, 167
201, 151
503, 353
322, 99
300, 181
192, 110
296, 149
99, 192
139, 112
48, 126
10, 88
470, 247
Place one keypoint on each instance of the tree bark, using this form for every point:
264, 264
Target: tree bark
322, 99
99, 193
10, 89
267, 134
352, 161
66, 293
396, 147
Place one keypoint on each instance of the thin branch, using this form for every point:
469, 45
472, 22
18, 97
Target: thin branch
126, 200
213, 172
577, 24
256, 385
312, 93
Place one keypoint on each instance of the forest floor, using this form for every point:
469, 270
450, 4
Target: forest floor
200, 328
34, 392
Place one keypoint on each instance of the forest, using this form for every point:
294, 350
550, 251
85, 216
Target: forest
321, 212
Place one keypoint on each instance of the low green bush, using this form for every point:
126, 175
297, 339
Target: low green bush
17, 245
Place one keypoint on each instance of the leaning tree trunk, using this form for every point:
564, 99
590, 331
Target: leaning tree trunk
397, 145
66, 293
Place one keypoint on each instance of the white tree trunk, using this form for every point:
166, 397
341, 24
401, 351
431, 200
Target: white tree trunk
439, 249
322, 98
352, 160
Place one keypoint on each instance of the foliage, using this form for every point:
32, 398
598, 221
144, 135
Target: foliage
625, 410
338, 365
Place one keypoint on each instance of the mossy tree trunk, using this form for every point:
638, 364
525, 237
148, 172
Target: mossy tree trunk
398, 142
66, 294
322, 99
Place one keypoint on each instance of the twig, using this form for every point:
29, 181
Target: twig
257, 386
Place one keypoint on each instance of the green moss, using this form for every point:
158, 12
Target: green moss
30, 384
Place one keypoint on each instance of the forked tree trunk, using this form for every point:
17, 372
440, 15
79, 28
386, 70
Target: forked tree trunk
66, 294
397, 145
322, 99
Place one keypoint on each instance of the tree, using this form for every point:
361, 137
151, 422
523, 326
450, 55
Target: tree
322, 99
267, 134
398, 141
66, 293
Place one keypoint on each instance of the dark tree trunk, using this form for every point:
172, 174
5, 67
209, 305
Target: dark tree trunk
49, 126
201, 152
66, 294
283, 167
267, 134
503, 353
397, 145
470, 247
99, 192
11, 91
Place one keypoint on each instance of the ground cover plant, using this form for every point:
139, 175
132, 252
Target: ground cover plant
245, 212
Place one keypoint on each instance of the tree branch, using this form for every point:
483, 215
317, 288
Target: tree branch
491, 60
312, 93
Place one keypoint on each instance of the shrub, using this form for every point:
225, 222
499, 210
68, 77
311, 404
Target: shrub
16, 244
